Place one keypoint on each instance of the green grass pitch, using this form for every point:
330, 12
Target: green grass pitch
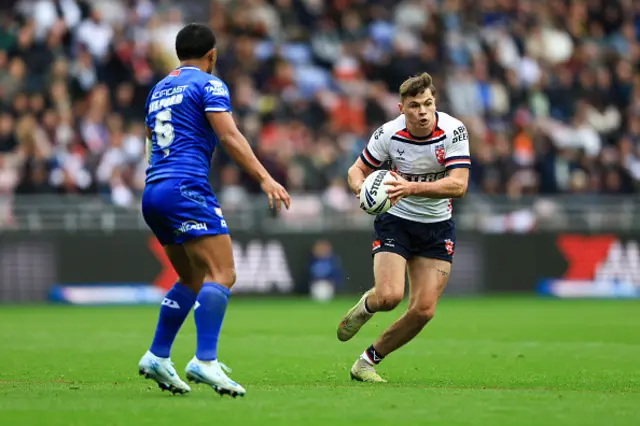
485, 361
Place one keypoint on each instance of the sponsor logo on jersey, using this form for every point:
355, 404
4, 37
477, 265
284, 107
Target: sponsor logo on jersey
426, 177
164, 93
217, 88
460, 134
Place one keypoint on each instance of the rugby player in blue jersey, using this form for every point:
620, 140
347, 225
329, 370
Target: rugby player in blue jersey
187, 114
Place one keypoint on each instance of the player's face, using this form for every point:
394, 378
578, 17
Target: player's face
212, 60
420, 112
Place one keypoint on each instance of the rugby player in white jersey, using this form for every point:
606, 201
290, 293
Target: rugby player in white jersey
429, 155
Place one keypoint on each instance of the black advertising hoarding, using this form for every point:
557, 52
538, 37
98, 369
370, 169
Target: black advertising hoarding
566, 265
32, 263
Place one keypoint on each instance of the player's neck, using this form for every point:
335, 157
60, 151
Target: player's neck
420, 133
196, 64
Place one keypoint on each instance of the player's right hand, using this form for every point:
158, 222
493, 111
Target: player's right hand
276, 193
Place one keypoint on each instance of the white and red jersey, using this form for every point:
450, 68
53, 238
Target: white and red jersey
420, 159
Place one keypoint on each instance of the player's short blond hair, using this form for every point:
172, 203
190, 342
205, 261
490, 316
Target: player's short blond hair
416, 85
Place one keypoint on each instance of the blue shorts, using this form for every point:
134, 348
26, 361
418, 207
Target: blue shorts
178, 210
408, 238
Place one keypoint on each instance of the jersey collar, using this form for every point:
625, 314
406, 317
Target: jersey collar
188, 67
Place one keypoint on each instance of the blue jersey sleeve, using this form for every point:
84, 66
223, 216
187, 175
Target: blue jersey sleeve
216, 97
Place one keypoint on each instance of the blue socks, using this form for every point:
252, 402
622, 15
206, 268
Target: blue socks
174, 310
208, 314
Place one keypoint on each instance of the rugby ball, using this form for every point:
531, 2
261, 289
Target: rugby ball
373, 194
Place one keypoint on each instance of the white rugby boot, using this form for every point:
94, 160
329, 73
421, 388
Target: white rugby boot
362, 371
212, 373
162, 372
353, 320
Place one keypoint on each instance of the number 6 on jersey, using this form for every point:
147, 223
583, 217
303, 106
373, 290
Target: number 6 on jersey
164, 130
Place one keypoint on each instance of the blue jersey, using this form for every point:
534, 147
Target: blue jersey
182, 141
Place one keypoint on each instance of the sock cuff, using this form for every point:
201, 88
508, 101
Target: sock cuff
184, 290
373, 355
222, 289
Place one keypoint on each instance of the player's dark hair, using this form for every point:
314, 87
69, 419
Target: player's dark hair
417, 85
194, 41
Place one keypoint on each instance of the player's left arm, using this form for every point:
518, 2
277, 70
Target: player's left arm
217, 107
148, 142
148, 145
454, 185
457, 166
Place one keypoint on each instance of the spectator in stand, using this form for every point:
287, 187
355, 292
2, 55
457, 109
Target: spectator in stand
550, 91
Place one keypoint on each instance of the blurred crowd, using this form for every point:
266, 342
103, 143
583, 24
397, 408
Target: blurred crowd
549, 89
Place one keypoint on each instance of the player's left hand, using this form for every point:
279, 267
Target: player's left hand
400, 187
276, 193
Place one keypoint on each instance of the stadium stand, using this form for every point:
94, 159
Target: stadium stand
550, 90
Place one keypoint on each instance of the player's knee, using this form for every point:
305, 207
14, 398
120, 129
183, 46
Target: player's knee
388, 299
225, 277
423, 314
193, 284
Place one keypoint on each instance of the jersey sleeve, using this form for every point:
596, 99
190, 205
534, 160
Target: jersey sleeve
457, 149
216, 97
377, 150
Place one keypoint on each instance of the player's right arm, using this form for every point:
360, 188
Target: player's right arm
373, 156
240, 151
357, 174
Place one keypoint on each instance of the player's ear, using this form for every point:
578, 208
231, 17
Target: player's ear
400, 108
212, 55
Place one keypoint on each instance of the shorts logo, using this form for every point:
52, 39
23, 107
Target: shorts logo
192, 195
448, 245
440, 154
191, 225
375, 245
